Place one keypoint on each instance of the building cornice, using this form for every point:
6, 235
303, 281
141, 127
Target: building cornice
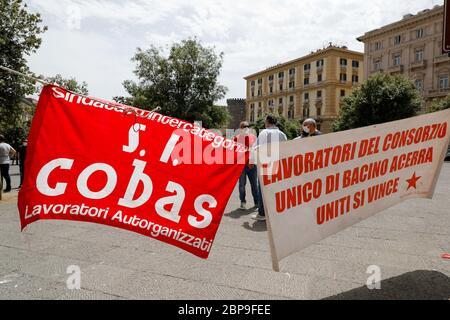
401, 24
318, 54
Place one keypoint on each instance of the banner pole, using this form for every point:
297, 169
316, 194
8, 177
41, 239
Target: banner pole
441, 163
127, 109
273, 252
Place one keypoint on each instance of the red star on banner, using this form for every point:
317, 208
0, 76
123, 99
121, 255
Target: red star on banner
412, 183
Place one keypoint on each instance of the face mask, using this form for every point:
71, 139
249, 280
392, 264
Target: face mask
306, 129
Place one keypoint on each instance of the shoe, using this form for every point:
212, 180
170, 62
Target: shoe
258, 217
7, 191
243, 206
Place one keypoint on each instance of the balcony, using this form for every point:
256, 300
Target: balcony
441, 59
435, 93
419, 65
396, 69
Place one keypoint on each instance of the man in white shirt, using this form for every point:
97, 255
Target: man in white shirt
6, 152
271, 135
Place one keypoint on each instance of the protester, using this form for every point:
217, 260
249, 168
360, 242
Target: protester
22, 156
6, 152
309, 129
272, 134
248, 139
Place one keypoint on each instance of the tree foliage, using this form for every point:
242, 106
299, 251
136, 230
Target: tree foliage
440, 104
289, 127
19, 37
382, 98
70, 84
183, 83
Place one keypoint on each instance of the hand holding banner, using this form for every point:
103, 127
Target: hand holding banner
159, 176
319, 186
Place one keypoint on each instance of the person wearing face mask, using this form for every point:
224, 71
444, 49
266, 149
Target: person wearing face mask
22, 156
309, 129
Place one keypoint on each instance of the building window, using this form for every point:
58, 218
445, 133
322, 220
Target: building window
355, 79
260, 81
291, 99
397, 39
291, 71
319, 78
291, 113
253, 83
419, 85
281, 75
342, 93
355, 64
252, 113
291, 84
319, 94
318, 111
343, 62
419, 33
397, 60
307, 67
260, 111
271, 78
377, 46
253, 92
343, 77
306, 81
419, 55
271, 89
319, 63
443, 82
306, 112
306, 97
377, 65
281, 87
280, 101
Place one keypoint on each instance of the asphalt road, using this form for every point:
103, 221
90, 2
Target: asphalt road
406, 243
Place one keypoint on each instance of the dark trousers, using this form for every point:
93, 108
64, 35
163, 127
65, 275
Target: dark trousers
261, 202
22, 172
5, 175
252, 177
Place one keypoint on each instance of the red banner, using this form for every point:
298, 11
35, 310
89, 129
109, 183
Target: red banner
162, 177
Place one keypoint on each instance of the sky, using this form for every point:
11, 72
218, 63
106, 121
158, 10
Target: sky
94, 40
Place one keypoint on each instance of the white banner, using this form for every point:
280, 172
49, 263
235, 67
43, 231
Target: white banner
319, 186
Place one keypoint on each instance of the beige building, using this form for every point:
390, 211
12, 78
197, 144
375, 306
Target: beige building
411, 47
311, 86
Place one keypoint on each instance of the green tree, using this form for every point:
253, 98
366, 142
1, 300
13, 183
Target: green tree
289, 127
183, 83
382, 98
70, 84
440, 104
19, 37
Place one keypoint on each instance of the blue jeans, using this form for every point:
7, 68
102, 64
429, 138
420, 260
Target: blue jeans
252, 177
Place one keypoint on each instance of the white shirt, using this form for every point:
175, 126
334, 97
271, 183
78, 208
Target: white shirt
270, 135
267, 136
5, 150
